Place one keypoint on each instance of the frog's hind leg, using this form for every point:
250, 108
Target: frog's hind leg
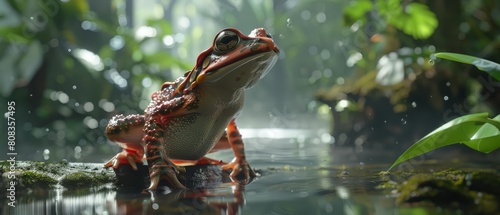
239, 163
160, 166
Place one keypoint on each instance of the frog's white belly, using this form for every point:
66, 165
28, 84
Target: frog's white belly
192, 136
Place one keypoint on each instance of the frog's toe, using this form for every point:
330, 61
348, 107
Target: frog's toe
166, 172
238, 166
124, 157
112, 163
155, 180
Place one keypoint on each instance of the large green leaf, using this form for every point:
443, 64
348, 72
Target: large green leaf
414, 19
356, 10
477, 131
487, 66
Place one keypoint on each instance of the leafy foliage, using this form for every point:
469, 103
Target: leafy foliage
414, 19
490, 67
67, 64
476, 131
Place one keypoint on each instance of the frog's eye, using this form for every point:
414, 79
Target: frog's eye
226, 41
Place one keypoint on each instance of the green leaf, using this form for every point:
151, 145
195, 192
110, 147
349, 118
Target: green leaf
76, 7
487, 66
476, 131
356, 10
416, 20
487, 137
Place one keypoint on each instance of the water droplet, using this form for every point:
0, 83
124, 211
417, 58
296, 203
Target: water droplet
281, 36
155, 206
78, 149
289, 24
446, 98
321, 17
46, 154
431, 62
448, 84
414, 104
74, 87
117, 42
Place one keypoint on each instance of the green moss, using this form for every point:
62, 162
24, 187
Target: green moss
32, 179
423, 187
4, 166
473, 192
78, 180
103, 178
84, 180
33, 174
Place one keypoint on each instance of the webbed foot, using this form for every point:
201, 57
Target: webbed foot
167, 171
239, 165
124, 157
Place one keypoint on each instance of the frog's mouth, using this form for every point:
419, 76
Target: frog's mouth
243, 73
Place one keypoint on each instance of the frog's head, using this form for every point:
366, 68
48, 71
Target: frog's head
234, 61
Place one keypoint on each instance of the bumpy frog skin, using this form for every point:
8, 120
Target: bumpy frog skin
192, 116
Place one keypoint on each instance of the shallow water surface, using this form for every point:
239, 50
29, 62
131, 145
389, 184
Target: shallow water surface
298, 176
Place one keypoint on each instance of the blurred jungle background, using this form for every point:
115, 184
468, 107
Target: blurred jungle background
360, 71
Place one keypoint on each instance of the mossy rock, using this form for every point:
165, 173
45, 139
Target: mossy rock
34, 174
34, 180
470, 191
83, 180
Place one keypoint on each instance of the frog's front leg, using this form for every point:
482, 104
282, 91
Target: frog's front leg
239, 163
127, 132
160, 166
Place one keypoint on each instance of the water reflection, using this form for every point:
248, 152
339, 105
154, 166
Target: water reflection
298, 176
224, 200
277, 193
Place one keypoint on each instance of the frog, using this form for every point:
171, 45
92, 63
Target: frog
194, 115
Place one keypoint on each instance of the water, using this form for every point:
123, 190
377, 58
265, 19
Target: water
299, 176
